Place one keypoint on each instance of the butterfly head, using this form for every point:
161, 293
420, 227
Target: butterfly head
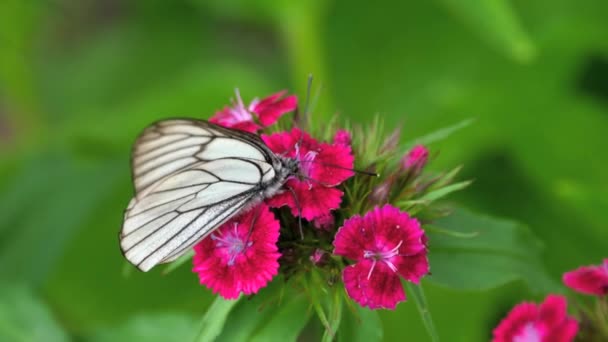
288, 167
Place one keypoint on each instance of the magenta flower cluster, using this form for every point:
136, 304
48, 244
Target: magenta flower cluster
549, 321
376, 248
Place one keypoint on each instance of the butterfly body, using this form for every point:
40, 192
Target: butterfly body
190, 177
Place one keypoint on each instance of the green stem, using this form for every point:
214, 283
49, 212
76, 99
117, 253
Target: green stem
16, 68
301, 26
425, 314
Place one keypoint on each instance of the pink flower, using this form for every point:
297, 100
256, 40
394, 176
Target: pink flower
528, 322
415, 159
241, 255
591, 280
386, 243
266, 112
322, 167
342, 137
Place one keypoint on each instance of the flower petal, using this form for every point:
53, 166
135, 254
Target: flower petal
270, 109
378, 289
333, 164
516, 320
351, 239
413, 268
591, 280
241, 256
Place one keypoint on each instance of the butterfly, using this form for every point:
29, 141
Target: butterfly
190, 177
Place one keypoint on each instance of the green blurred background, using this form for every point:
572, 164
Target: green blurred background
80, 79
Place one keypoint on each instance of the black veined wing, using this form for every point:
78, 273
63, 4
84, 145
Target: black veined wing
191, 176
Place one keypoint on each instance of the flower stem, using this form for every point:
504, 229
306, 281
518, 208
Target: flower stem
425, 314
301, 25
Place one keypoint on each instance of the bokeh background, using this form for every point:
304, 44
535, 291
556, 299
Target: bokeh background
80, 79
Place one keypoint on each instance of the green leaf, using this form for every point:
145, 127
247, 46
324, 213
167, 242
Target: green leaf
446, 190
446, 178
437, 135
461, 235
360, 325
215, 318
150, 328
287, 322
497, 23
335, 315
502, 252
249, 315
417, 293
327, 302
24, 317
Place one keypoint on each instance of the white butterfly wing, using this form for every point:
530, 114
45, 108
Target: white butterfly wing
202, 177
173, 145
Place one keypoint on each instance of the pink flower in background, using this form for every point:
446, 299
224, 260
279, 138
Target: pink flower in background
240, 256
591, 280
529, 322
322, 166
415, 159
259, 114
342, 137
385, 244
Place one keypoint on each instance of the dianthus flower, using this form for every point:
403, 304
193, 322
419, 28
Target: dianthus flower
241, 255
322, 167
529, 322
385, 243
259, 114
591, 280
415, 159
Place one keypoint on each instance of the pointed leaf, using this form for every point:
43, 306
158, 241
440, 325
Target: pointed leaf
417, 293
215, 318
503, 251
497, 23
287, 322
360, 325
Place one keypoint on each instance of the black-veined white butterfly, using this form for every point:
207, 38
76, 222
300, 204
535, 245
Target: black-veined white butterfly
190, 177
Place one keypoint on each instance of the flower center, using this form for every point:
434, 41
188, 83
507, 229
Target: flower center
383, 256
306, 163
238, 111
232, 243
528, 334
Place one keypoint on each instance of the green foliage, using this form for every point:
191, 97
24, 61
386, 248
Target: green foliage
497, 23
79, 80
360, 324
149, 327
24, 317
501, 251
214, 319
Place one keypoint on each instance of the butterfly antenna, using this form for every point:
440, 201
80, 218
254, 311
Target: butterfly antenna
373, 174
295, 199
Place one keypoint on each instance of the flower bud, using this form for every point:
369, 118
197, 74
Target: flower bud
318, 257
380, 194
415, 159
